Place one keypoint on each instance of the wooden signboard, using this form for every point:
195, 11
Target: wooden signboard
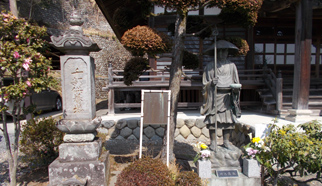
155, 110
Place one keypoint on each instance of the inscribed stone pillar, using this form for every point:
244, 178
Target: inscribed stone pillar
81, 160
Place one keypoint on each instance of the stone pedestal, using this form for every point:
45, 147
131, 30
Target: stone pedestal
204, 168
251, 168
226, 159
81, 160
80, 166
298, 116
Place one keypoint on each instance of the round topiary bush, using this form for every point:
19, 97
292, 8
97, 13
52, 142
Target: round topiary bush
143, 39
145, 171
188, 178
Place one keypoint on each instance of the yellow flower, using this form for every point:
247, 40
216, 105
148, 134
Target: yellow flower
203, 146
256, 139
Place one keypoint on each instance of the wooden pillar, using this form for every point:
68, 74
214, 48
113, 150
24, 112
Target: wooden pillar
303, 41
250, 55
317, 57
110, 91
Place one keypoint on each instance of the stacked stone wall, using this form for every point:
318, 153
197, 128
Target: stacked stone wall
187, 130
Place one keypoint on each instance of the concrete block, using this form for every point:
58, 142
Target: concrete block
204, 168
251, 168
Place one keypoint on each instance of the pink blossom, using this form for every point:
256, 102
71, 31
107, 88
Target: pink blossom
28, 83
24, 94
26, 66
28, 60
17, 38
16, 55
28, 40
251, 152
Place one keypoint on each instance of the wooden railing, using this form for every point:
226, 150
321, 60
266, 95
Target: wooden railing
275, 85
191, 80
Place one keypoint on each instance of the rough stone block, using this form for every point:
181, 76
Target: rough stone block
180, 138
180, 123
204, 168
149, 132
87, 151
136, 132
205, 132
189, 123
114, 132
120, 138
196, 131
176, 132
107, 124
121, 124
191, 137
126, 132
92, 173
160, 131
102, 130
185, 131
132, 124
200, 123
132, 137
155, 126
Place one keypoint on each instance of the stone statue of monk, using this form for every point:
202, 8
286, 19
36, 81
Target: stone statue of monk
227, 97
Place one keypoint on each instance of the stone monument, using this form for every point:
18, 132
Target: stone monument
221, 105
81, 160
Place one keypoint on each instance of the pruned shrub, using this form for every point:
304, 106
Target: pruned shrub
188, 178
145, 171
142, 40
190, 60
134, 68
40, 140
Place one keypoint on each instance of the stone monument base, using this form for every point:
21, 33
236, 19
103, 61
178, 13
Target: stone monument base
80, 164
241, 180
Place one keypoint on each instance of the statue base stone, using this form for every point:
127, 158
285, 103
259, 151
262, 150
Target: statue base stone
92, 169
226, 159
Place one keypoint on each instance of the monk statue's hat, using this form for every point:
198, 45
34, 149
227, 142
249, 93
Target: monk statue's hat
221, 44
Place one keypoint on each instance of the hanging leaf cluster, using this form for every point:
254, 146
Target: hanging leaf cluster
142, 40
178, 4
241, 12
134, 68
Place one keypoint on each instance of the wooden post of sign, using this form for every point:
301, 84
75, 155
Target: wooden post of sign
155, 110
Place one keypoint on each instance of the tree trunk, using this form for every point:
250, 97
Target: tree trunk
13, 7
175, 80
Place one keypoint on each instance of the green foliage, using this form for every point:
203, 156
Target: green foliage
40, 140
241, 44
178, 4
289, 149
132, 13
241, 12
22, 46
190, 60
188, 178
134, 68
142, 40
145, 171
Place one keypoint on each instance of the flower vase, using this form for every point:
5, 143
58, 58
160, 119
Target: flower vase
204, 168
251, 168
